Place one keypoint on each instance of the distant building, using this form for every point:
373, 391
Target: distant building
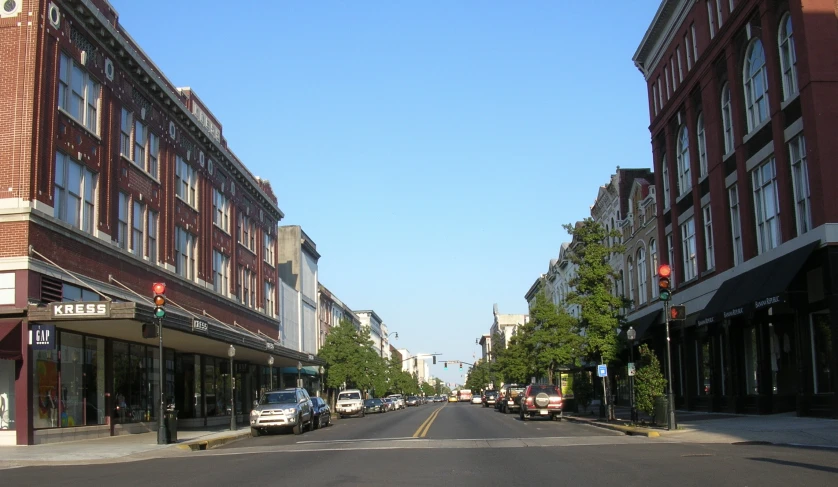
505, 325
297, 265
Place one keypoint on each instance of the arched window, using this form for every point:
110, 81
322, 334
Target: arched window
641, 276
683, 160
665, 178
788, 59
702, 146
653, 255
630, 276
727, 119
756, 85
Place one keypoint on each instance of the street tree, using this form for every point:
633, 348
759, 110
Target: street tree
351, 359
427, 389
478, 377
649, 382
512, 363
551, 337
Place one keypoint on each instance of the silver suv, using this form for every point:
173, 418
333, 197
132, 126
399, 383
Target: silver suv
282, 409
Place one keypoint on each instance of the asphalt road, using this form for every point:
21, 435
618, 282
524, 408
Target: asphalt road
462, 445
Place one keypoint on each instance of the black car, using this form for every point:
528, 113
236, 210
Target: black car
375, 406
322, 413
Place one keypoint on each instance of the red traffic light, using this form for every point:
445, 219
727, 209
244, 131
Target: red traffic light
664, 270
159, 288
678, 312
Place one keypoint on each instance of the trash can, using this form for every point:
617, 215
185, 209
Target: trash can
661, 410
171, 425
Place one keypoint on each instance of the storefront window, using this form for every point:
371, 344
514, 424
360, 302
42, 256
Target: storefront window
723, 369
94, 377
189, 399
71, 405
751, 362
132, 390
706, 368
7, 394
821, 352
45, 389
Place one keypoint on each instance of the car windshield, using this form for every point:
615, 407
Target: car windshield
349, 395
372, 402
279, 398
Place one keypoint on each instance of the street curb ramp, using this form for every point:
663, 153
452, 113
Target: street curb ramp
200, 445
629, 430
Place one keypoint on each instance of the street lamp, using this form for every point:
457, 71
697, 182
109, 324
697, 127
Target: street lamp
231, 352
385, 337
271, 371
632, 335
299, 377
322, 370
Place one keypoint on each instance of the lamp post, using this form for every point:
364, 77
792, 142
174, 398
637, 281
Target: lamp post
271, 371
231, 352
322, 382
386, 337
632, 335
299, 377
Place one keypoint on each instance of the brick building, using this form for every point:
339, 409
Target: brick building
113, 179
743, 102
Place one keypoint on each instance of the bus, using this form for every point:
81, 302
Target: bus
464, 395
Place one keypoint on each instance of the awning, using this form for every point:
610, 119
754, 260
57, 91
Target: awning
10, 339
757, 288
644, 323
303, 371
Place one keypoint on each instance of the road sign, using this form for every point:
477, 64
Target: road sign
631, 368
602, 370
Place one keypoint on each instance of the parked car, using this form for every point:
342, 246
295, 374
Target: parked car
375, 406
412, 401
490, 398
322, 412
510, 402
477, 399
349, 403
389, 404
398, 401
543, 400
282, 409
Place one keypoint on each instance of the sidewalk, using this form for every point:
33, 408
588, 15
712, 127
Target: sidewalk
703, 427
115, 448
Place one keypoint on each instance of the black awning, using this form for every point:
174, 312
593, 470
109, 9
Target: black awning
773, 289
644, 323
10, 335
757, 288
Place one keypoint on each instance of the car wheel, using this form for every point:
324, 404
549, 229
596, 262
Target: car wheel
298, 428
362, 413
522, 415
255, 432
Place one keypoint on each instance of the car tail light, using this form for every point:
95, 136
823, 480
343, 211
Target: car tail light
529, 400
555, 399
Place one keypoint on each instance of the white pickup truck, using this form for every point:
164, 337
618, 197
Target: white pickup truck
350, 402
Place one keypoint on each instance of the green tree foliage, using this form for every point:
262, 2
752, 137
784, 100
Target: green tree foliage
512, 363
649, 382
478, 377
427, 389
351, 359
593, 288
551, 338
583, 389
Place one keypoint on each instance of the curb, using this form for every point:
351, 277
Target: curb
200, 445
629, 430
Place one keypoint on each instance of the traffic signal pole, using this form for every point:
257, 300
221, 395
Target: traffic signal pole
670, 397
161, 424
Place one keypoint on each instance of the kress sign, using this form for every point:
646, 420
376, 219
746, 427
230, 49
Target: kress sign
80, 310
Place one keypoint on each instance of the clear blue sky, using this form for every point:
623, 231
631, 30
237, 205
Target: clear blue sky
432, 150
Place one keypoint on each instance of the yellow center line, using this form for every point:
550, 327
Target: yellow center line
426, 425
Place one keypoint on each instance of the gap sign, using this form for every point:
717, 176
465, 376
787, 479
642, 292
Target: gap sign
42, 337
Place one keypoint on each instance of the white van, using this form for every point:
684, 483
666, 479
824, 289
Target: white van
350, 402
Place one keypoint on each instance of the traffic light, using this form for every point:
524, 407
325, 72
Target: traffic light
664, 274
461, 365
677, 313
149, 330
159, 289
434, 359
446, 365
415, 362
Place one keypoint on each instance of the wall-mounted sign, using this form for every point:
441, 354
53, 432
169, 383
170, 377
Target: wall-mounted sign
42, 337
200, 325
96, 309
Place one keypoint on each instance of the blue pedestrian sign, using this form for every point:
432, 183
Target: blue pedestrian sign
602, 370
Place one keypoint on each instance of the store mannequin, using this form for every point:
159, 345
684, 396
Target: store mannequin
4, 411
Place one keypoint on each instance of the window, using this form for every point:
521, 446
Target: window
710, 20
151, 236
246, 232
766, 206
800, 182
75, 193
719, 13
672, 71
821, 352
125, 133
660, 93
78, 94
695, 44
680, 66
788, 59
122, 221
688, 249
684, 182
666, 78
688, 52
735, 225
140, 141
730, 3
709, 257
665, 178
220, 210
220, 273
756, 85
269, 250
655, 98
653, 254
186, 182
153, 155
631, 283
702, 146
247, 286
727, 119
137, 228
270, 299
670, 252
641, 276
186, 251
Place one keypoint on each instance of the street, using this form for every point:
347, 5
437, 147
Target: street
447, 444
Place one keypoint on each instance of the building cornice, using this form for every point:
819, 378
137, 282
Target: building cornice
667, 20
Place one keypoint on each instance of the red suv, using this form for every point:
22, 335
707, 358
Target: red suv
541, 400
